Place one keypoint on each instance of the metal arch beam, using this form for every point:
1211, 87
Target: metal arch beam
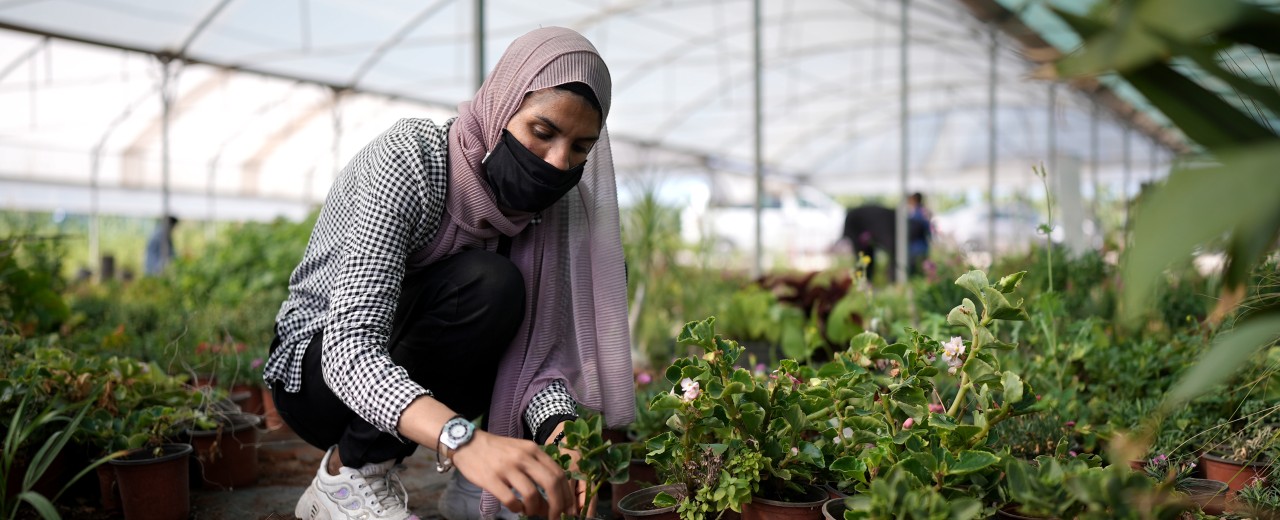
394, 40
886, 121
200, 27
684, 48
686, 110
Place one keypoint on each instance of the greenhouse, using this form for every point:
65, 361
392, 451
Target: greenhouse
697, 259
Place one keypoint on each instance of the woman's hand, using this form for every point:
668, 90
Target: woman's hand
495, 463
500, 465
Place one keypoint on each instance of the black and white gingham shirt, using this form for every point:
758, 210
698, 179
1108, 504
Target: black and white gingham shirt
385, 205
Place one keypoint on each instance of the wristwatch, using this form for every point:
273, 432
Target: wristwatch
456, 433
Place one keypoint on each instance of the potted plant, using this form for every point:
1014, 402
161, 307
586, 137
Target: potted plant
1080, 488
153, 474
911, 422
1209, 495
1244, 457
708, 466
226, 447
599, 461
1260, 499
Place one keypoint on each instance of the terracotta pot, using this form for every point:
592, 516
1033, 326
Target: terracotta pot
228, 458
1237, 475
269, 413
807, 508
642, 475
833, 491
155, 488
108, 491
834, 509
1210, 495
639, 504
252, 403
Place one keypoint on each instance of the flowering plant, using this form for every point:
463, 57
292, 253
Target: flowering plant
1163, 467
732, 432
902, 432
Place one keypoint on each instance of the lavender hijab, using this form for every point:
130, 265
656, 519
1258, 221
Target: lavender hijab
575, 324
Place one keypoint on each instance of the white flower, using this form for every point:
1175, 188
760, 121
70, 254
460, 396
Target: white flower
953, 353
690, 388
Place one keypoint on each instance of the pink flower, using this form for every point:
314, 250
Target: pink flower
690, 388
761, 369
644, 378
894, 372
1070, 424
936, 408
795, 451
1071, 453
906, 425
257, 362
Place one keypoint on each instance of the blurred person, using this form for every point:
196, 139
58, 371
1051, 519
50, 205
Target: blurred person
463, 270
159, 247
919, 233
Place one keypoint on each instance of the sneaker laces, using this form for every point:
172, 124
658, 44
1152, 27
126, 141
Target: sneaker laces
387, 489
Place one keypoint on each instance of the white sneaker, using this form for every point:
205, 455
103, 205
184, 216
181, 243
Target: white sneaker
372, 492
461, 501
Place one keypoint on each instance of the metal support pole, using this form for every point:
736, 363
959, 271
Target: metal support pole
1093, 159
1124, 185
166, 105
1053, 130
900, 229
480, 33
757, 267
210, 197
1155, 148
991, 142
94, 258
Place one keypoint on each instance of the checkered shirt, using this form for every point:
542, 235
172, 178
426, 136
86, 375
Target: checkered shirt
385, 205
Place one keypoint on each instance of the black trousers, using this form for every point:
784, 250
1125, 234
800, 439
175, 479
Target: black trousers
453, 322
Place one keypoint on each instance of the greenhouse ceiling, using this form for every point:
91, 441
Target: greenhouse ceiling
270, 97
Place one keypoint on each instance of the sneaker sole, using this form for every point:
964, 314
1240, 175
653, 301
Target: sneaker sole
309, 508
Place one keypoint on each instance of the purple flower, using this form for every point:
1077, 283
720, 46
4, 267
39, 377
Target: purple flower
257, 362
1071, 453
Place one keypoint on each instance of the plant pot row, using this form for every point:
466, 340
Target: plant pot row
638, 505
154, 483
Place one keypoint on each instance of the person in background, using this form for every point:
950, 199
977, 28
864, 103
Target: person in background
464, 290
919, 233
160, 247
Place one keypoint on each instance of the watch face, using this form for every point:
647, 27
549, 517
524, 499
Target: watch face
457, 431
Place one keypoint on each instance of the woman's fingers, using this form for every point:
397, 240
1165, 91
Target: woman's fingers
506, 467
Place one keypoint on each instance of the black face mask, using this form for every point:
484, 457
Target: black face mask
523, 181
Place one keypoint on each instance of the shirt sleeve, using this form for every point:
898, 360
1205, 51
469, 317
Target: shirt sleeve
355, 361
552, 401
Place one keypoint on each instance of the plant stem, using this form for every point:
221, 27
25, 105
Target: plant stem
964, 376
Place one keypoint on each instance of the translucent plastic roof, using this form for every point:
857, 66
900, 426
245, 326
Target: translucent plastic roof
257, 111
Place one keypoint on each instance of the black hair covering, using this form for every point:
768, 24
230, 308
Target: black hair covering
582, 89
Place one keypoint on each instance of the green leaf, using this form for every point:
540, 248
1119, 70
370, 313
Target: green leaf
41, 505
867, 342
1008, 283
1246, 178
965, 508
964, 315
665, 401
664, 499
974, 281
1203, 115
1012, 388
1229, 351
999, 308
971, 461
